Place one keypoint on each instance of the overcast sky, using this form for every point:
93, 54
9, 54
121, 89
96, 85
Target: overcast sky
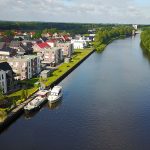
84, 11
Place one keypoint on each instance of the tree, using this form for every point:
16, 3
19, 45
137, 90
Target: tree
37, 35
9, 33
23, 94
1, 94
106, 34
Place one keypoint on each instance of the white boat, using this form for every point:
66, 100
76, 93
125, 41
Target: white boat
55, 94
38, 101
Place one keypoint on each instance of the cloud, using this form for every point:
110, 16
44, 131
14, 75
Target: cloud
96, 11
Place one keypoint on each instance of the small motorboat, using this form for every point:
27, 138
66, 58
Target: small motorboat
55, 94
41, 97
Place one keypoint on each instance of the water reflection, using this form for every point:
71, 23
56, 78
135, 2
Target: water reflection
30, 115
55, 105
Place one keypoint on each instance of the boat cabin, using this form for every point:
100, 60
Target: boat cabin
56, 91
42, 93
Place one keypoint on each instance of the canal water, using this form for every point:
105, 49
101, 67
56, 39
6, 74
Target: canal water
106, 106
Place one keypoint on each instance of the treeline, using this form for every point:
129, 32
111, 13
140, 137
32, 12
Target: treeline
145, 39
106, 35
73, 28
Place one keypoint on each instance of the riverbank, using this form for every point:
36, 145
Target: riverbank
56, 77
104, 36
145, 40
113, 39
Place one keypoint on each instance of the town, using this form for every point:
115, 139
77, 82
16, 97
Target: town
27, 58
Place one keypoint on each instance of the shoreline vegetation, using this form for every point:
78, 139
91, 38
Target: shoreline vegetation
16, 98
105, 36
145, 40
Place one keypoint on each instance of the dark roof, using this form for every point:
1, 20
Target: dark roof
5, 66
8, 49
44, 39
14, 44
26, 48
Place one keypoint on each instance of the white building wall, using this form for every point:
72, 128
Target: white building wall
38, 65
79, 44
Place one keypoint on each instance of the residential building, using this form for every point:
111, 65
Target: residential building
52, 56
6, 77
79, 44
67, 48
66, 38
7, 52
25, 48
52, 42
39, 47
26, 66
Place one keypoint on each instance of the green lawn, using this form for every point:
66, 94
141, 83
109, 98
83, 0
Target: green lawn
77, 56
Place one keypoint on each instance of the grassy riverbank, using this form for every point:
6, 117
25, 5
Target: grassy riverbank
145, 40
78, 56
103, 46
104, 36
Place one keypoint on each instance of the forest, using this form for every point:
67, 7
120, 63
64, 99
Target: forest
107, 34
73, 28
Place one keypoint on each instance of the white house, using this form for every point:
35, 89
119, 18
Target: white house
79, 44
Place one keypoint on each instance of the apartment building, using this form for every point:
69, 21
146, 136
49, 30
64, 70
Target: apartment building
67, 48
26, 66
52, 56
6, 77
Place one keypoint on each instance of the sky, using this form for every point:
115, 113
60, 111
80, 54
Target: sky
83, 11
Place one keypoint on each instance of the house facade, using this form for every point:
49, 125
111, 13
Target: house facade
52, 56
6, 53
79, 44
26, 66
6, 77
39, 47
67, 49
52, 42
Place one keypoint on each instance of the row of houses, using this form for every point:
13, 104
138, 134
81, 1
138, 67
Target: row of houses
26, 58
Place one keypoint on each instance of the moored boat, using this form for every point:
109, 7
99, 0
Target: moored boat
55, 94
41, 97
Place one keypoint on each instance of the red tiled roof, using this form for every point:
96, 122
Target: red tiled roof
43, 45
50, 34
32, 33
66, 38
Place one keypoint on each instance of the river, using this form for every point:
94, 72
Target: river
106, 106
